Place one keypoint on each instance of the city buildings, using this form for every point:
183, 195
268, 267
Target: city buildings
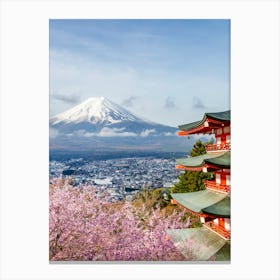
118, 178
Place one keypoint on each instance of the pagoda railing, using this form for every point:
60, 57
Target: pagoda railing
212, 185
217, 147
218, 229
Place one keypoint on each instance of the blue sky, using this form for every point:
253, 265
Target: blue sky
167, 71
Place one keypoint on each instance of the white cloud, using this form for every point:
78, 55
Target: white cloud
170, 134
104, 132
114, 132
129, 102
70, 99
88, 134
53, 133
147, 132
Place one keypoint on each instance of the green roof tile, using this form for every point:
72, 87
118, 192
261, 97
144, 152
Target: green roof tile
220, 116
190, 126
223, 116
224, 253
195, 161
222, 161
197, 201
219, 160
220, 209
199, 244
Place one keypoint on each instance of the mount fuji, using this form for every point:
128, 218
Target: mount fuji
99, 116
99, 125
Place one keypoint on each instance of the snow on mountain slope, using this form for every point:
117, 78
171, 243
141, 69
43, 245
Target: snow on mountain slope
99, 116
95, 110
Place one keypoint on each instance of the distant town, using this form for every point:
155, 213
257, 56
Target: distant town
117, 179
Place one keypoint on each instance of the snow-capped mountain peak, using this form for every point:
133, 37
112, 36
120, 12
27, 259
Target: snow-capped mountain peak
95, 110
98, 116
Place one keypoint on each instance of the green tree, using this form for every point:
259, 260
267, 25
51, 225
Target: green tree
198, 149
192, 181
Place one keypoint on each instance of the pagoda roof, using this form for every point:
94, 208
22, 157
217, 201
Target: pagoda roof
221, 161
219, 209
200, 244
216, 160
218, 119
224, 253
215, 203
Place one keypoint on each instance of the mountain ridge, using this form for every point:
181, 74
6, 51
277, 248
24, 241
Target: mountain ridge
98, 116
93, 110
98, 125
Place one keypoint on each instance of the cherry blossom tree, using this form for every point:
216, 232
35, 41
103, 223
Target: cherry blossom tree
84, 227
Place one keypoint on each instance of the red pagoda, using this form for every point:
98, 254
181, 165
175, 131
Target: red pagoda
211, 205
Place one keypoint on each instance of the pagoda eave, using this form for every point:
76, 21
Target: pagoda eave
209, 123
198, 130
206, 162
182, 167
201, 129
220, 162
197, 214
204, 168
200, 200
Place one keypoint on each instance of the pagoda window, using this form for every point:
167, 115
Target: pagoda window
228, 180
218, 140
218, 178
227, 224
216, 221
208, 219
219, 131
204, 169
228, 139
202, 220
226, 129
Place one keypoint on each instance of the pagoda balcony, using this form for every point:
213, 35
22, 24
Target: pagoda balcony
218, 230
213, 186
217, 147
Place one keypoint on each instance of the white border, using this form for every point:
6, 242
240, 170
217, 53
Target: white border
255, 141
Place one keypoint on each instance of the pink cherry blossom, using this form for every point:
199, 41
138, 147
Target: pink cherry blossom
85, 228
